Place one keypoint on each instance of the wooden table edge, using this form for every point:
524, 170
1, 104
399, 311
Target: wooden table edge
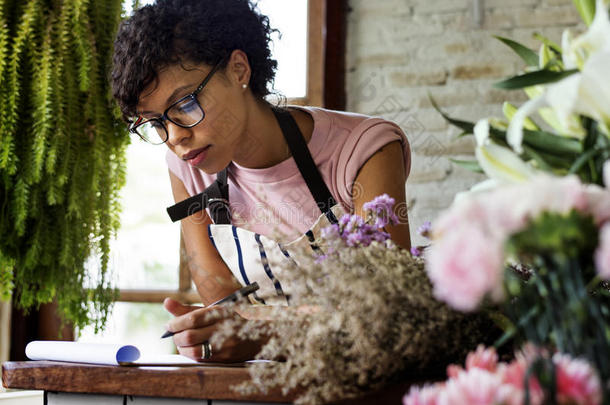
206, 382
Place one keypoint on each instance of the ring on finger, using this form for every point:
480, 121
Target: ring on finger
206, 350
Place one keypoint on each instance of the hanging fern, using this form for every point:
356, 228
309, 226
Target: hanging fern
62, 154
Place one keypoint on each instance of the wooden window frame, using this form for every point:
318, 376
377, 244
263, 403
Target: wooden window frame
326, 35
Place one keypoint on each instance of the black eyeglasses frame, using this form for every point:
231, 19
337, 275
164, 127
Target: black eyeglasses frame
133, 128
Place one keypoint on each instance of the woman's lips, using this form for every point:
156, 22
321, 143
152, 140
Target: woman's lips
197, 156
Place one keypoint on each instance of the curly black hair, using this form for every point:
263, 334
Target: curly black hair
195, 31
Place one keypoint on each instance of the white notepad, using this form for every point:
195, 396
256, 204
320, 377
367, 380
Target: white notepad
104, 353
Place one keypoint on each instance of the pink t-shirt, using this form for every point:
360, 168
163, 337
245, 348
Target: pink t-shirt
275, 201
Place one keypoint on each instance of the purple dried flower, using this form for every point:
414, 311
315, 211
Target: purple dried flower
344, 220
381, 209
353, 239
424, 229
354, 231
415, 251
330, 232
380, 203
353, 224
381, 236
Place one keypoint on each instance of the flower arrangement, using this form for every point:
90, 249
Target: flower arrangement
361, 315
485, 380
556, 232
532, 242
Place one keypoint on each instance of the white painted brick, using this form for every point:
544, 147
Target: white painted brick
490, 4
385, 7
556, 2
547, 16
441, 6
425, 169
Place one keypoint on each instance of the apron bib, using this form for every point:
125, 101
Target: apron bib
249, 255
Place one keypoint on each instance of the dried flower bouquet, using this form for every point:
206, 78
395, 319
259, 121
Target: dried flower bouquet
371, 317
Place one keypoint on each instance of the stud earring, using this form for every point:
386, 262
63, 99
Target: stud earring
243, 86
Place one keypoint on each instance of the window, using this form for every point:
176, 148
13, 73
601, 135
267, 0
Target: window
146, 253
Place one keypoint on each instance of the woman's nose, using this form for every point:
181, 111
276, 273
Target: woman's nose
176, 134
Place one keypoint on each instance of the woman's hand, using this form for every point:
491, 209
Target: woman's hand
192, 326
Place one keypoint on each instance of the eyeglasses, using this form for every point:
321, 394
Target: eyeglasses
186, 113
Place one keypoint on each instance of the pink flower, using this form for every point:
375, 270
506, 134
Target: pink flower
476, 387
558, 195
602, 254
513, 374
426, 395
599, 203
464, 212
453, 370
486, 359
464, 266
577, 381
482, 358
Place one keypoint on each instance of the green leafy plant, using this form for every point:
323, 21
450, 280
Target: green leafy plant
61, 154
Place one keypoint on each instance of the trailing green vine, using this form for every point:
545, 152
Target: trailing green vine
62, 154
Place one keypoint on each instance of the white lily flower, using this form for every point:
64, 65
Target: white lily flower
586, 93
509, 111
569, 59
594, 91
576, 52
498, 162
481, 132
514, 134
544, 55
569, 126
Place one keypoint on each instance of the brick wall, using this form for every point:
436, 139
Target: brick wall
398, 51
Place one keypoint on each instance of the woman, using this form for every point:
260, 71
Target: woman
193, 74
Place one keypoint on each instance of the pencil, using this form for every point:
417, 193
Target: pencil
234, 296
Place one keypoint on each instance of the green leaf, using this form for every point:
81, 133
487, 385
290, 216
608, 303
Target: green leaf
586, 8
471, 165
531, 153
533, 78
529, 56
557, 233
553, 45
551, 143
467, 127
584, 159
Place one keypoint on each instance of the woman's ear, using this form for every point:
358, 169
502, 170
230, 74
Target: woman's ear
238, 69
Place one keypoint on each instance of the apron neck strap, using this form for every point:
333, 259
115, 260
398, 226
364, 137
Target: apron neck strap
305, 163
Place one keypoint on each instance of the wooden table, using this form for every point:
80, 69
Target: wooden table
75, 383
65, 383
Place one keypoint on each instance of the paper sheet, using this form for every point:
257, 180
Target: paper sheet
101, 353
